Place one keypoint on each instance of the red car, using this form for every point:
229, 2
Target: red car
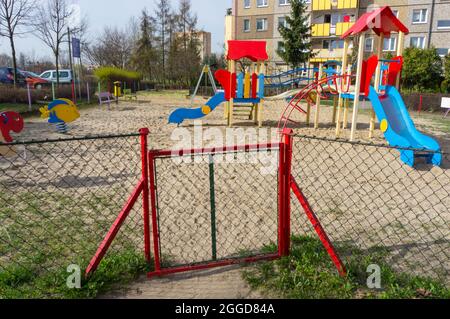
33, 80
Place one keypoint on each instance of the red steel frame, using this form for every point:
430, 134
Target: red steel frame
159, 271
147, 187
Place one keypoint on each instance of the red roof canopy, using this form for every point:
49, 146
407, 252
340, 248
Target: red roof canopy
379, 21
253, 50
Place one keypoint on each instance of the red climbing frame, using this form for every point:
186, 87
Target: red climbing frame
146, 187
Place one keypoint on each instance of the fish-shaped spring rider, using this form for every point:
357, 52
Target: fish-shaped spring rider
60, 112
9, 122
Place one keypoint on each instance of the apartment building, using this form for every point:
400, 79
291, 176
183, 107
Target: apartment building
204, 42
427, 20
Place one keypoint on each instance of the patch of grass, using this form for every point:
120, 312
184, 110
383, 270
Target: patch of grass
37, 244
27, 281
23, 109
310, 274
165, 93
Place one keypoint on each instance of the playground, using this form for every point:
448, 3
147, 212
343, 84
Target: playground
104, 172
108, 192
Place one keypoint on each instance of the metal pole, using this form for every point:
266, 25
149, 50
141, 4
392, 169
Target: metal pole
29, 97
213, 208
88, 93
145, 192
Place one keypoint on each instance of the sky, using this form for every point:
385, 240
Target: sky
101, 13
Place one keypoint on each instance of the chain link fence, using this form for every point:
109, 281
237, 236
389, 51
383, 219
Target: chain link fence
58, 200
216, 205
367, 198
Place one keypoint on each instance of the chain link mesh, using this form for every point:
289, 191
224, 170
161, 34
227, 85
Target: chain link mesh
217, 206
58, 200
366, 197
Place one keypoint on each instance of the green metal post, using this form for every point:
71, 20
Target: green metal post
213, 208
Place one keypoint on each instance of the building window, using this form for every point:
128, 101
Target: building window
368, 47
261, 24
284, 2
337, 44
247, 4
420, 15
418, 42
282, 22
442, 51
246, 25
326, 44
389, 44
262, 3
395, 12
281, 47
443, 24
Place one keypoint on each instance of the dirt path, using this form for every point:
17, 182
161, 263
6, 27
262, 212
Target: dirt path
221, 283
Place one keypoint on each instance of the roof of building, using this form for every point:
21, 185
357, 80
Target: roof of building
380, 21
253, 50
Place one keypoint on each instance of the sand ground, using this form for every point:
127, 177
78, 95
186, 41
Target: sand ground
152, 112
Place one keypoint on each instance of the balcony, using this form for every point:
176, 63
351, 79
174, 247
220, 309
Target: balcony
320, 5
321, 30
327, 30
342, 27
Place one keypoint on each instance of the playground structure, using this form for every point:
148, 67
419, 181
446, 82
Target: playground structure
60, 112
387, 103
290, 78
240, 91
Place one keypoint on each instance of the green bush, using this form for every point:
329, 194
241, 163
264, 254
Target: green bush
108, 75
445, 86
422, 69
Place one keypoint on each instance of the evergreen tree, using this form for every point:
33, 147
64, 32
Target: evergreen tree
163, 17
296, 35
145, 54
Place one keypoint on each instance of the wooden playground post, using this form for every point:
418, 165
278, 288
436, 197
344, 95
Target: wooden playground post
377, 84
400, 46
261, 102
232, 69
362, 39
335, 103
346, 109
341, 100
318, 101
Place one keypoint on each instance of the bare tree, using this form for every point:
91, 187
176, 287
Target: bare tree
52, 26
112, 47
14, 16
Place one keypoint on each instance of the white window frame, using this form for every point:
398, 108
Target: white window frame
418, 37
443, 28
249, 25
444, 54
283, 46
285, 3
390, 44
395, 12
249, 4
285, 24
371, 44
420, 22
264, 5
265, 24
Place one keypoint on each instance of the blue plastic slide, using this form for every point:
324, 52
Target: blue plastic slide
399, 129
179, 115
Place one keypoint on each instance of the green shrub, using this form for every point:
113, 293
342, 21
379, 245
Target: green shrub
108, 75
422, 69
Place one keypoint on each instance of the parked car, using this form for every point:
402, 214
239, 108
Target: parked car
7, 76
34, 80
65, 76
